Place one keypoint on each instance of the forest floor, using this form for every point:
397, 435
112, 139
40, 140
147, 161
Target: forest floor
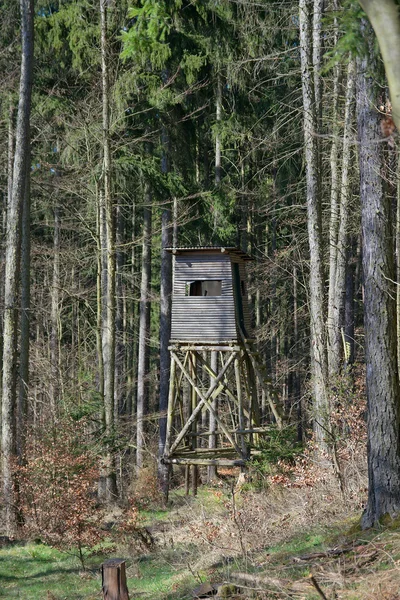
279, 543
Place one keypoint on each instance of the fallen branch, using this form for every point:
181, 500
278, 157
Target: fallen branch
328, 553
317, 587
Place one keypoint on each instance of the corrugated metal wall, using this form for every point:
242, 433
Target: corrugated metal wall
210, 318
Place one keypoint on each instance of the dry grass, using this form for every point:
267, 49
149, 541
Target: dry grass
270, 542
229, 523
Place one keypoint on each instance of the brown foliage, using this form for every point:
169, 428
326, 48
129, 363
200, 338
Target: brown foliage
349, 436
57, 485
146, 489
131, 530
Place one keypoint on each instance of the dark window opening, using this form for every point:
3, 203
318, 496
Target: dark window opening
242, 287
203, 288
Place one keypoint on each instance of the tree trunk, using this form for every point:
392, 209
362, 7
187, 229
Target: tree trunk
120, 387
316, 291
334, 207
338, 297
218, 117
131, 353
25, 313
383, 392
10, 159
55, 301
13, 249
114, 584
384, 17
165, 322
349, 308
144, 332
317, 51
100, 293
108, 336
398, 263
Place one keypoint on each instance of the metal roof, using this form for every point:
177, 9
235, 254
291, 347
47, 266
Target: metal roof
224, 249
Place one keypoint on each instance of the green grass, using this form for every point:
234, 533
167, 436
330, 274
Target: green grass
306, 542
152, 516
37, 572
157, 578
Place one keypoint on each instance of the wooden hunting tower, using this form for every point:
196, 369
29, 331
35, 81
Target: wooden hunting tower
213, 410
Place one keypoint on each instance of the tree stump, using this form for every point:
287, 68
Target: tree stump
113, 576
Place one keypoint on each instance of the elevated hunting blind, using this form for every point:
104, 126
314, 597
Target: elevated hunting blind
214, 415
209, 299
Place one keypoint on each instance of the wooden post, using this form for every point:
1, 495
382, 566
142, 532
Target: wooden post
212, 440
171, 407
113, 577
194, 424
241, 415
187, 480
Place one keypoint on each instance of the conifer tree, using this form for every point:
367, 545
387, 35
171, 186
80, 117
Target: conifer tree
21, 173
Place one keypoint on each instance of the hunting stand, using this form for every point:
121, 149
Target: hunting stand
214, 415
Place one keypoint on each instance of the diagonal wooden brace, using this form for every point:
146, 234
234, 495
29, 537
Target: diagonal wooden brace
204, 401
224, 385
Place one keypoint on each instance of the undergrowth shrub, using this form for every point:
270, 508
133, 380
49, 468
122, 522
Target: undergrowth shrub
57, 483
283, 461
145, 491
279, 448
131, 530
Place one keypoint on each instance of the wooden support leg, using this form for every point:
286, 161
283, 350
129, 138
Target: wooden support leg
195, 479
113, 576
187, 480
170, 414
212, 440
241, 415
194, 424
170, 418
203, 401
